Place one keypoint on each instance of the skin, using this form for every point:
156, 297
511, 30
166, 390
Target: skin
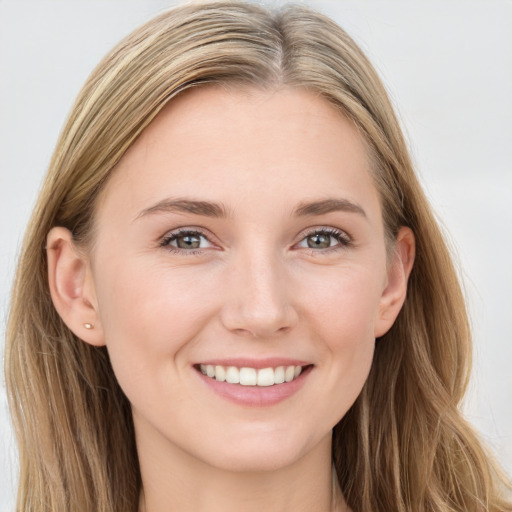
254, 288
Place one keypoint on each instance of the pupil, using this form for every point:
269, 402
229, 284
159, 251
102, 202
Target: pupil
188, 242
319, 241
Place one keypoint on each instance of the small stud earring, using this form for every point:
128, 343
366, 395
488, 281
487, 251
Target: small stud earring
89, 326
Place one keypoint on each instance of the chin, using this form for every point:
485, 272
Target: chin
255, 461
261, 454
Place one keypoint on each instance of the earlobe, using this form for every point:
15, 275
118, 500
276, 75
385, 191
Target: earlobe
71, 287
393, 296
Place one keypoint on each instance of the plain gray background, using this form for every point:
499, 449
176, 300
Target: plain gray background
448, 68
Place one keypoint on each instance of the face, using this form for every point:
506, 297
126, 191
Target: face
241, 236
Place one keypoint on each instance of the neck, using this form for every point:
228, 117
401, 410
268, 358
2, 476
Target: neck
175, 480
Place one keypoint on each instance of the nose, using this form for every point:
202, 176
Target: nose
258, 297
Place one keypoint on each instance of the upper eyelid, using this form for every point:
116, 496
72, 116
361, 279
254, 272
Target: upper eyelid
323, 229
184, 230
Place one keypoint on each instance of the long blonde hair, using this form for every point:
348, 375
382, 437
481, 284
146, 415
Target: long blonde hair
403, 446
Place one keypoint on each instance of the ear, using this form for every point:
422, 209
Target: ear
395, 291
72, 288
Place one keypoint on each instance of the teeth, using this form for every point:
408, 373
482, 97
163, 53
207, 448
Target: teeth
266, 377
220, 373
232, 375
279, 375
248, 376
251, 376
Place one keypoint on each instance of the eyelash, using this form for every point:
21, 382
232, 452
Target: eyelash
343, 239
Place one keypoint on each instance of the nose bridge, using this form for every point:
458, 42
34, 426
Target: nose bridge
258, 301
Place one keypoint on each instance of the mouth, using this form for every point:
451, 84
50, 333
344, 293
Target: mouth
248, 376
254, 384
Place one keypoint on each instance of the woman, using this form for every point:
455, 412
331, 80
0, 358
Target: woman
186, 336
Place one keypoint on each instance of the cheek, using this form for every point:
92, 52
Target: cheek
341, 318
342, 302
149, 314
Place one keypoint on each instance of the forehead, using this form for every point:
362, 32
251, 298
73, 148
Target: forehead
245, 146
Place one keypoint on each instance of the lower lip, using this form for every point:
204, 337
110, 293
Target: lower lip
256, 396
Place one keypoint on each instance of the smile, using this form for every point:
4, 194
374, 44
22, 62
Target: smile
247, 376
252, 383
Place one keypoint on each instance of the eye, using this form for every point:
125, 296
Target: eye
186, 240
325, 239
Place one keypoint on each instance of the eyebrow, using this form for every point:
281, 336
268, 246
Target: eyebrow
211, 209
205, 208
328, 206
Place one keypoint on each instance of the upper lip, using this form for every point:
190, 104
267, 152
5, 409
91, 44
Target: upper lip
245, 362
